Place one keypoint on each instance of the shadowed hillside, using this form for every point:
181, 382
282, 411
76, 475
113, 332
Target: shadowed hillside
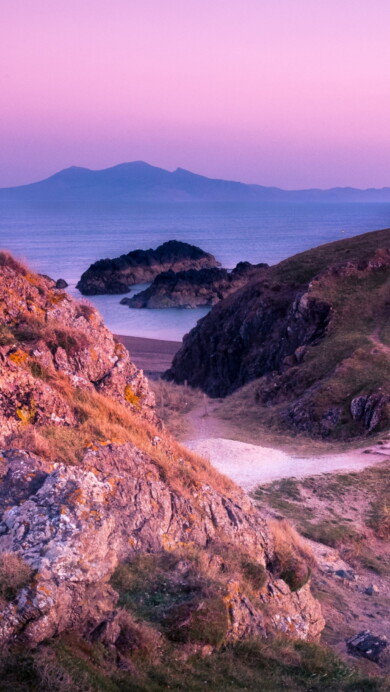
306, 347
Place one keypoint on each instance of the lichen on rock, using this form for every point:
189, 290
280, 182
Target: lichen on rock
131, 490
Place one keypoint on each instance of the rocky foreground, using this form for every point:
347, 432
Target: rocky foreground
193, 288
92, 484
142, 266
306, 346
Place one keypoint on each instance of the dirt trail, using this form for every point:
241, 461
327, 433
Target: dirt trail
250, 464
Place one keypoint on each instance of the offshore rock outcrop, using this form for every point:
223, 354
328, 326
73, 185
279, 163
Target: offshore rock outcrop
194, 288
141, 266
73, 518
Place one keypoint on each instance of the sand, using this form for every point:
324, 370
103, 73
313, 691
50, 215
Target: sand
154, 356
251, 465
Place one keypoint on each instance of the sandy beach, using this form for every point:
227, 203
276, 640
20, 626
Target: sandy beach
153, 356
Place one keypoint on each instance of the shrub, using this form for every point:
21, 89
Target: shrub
14, 574
254, 573
71, 340
379, 517
138, 640
293, 559
31, 329
40, 371
201, 620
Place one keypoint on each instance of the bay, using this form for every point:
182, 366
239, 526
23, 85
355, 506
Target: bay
62, 242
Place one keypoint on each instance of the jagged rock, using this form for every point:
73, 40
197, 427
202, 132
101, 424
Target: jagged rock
371, 590
193, 288
44, 330
367, 645
347, 574
371, 409
142, 266
73, 525
61, 283
247, 336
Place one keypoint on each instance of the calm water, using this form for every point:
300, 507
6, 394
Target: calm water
63, 243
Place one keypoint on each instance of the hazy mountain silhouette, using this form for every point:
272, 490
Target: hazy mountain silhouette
139, 181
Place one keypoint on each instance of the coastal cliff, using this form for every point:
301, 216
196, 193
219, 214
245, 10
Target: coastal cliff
96, 495
141, 266
300, 338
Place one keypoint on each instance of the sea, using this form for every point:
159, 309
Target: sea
63, 242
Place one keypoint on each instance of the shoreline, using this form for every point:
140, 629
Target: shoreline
153, 356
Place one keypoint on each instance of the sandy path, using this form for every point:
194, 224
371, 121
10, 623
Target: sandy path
250, 465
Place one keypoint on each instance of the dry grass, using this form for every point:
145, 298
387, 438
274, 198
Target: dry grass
29, 437
8, 260
293, 560
101, 420
14, 574
173, 401
54, 334
379, 518
250, 422
52, 675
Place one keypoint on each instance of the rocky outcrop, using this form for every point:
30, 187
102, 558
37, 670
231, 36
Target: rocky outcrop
372, 410
44, 332
74, 525
71, 519
311, 333
248, 335
193, 288
141, 266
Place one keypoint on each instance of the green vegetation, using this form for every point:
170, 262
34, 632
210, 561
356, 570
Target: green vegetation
293, 559
72, 665
347, 511
313, 397
189, 609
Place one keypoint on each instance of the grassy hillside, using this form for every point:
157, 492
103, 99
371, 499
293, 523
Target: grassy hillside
307, 347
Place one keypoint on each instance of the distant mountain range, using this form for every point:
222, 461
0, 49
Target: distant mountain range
139, 181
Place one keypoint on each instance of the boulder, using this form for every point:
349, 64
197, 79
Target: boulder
367, 645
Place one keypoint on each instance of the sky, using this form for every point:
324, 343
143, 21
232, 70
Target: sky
292, 93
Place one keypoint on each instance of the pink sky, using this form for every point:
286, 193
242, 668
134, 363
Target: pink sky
294, 93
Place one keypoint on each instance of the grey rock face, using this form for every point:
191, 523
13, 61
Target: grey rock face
73, 525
